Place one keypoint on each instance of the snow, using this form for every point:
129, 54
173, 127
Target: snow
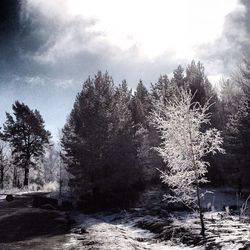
227, 231
230, 231
13, 191
51, 188
123, 230
103, 233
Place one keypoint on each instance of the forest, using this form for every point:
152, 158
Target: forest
110, 135
161, 148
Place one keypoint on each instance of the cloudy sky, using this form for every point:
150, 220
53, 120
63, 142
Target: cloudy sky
48, 48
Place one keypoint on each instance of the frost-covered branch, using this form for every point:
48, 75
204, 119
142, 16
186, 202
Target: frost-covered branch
181, 123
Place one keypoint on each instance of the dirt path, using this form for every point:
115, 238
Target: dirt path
23, 227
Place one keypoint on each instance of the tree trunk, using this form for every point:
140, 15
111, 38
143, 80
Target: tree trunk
26, 177
200, 211
1, 178
197, 183
14, 182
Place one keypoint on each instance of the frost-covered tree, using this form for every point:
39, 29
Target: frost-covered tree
184, 146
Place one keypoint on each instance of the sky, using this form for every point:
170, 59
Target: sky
49, 48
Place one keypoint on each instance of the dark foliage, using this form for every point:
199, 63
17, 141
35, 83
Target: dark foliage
26, 134
99, 147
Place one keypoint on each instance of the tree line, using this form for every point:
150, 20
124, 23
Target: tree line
109, 139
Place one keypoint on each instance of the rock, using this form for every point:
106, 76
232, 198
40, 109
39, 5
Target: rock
9, 197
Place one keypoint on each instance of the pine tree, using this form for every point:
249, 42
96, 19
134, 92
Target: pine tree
244, 118
197, 81
237, 130
122, 158
26, 134
98, 142
140, 105
178, 77
163, 88
87, 132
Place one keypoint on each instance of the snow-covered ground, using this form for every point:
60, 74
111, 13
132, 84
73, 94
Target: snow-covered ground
158, 228
105, 232
51, 188
13, 191
121, 231
150, 228
226, 232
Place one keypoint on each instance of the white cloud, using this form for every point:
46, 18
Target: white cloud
153, 27
156, 26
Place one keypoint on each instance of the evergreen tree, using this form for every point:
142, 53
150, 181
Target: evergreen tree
244, 117
146, 136
231, 104
203, 91
163, 88
178, 77
237, 129
27, 136
140, 105
124, 175
98, 142
87, 131
197, 81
